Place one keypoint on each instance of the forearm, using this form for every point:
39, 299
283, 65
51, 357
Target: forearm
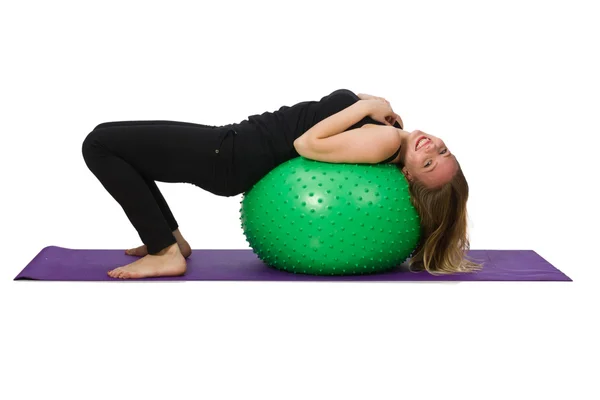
338, 122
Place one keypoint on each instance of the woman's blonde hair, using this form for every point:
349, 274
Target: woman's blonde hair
444, 242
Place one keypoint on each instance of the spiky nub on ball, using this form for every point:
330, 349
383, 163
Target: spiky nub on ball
320, 218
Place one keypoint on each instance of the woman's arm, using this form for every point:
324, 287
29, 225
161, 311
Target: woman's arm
360, 145
337, 122
364, 96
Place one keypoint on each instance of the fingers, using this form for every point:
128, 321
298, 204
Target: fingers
384, 100
386, 113
391, 120
396, 117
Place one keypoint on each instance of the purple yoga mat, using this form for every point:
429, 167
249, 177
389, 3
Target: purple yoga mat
60, 264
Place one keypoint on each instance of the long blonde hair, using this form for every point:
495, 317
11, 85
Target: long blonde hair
444, 241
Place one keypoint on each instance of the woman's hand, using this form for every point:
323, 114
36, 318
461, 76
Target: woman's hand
380, 110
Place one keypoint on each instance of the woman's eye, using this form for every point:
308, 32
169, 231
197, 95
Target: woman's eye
429, 162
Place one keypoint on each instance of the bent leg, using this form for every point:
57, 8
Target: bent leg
158, 197
128, 157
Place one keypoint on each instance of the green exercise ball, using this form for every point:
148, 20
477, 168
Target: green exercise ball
318, 218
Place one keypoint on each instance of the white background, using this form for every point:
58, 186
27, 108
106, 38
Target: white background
511, 86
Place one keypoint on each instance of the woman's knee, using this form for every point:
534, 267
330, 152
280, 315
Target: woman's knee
104, 125
93, 137
90, 142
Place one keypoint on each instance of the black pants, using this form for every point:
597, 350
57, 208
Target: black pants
128, 157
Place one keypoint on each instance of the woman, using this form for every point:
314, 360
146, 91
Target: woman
129, 156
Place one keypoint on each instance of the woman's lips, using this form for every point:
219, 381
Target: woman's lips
417, 142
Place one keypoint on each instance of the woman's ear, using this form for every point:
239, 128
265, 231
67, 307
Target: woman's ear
407, 174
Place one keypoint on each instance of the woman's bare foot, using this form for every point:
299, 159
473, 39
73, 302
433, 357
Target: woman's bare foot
169, 262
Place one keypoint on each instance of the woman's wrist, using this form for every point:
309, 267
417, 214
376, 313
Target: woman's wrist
366, 107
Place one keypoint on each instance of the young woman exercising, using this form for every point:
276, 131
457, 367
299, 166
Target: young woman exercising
128, 157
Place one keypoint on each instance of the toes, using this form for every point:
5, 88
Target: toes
120, 273
115, 272
131, 252
138, 251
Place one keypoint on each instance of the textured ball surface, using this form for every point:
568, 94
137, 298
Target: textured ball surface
318, 218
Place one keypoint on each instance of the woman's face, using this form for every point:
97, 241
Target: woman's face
432, 163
